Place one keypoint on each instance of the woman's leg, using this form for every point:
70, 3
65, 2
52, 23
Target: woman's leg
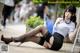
40, 29
33, 39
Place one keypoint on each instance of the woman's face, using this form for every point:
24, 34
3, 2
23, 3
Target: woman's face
67, 15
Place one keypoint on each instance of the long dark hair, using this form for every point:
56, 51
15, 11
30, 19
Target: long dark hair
71, 9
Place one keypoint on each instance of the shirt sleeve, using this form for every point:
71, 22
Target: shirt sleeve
72, 28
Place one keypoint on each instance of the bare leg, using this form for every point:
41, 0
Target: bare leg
40, 29
33, 39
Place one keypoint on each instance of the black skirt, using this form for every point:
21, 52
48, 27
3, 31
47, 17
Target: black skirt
58, 40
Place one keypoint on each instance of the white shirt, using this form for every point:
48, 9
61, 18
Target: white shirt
64, 28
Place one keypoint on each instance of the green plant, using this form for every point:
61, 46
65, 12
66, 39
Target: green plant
34, 21
17, 1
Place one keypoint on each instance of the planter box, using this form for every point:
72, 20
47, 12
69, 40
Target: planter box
3, 48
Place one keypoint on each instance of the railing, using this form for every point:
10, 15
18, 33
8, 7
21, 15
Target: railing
76, 41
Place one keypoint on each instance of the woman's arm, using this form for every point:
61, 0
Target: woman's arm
73, 34
55, 24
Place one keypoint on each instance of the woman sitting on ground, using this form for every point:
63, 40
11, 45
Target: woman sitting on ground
63, 27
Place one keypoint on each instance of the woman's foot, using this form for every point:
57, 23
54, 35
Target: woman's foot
6, 40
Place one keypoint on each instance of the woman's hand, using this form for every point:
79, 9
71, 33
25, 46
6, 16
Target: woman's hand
72, 35
47, 45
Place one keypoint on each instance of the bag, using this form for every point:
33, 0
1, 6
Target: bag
49, 25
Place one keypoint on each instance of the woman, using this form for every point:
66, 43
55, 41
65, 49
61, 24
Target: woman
7, 9
40, 9
63, 27
9, 6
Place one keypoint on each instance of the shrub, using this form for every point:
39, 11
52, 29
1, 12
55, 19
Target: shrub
34, 21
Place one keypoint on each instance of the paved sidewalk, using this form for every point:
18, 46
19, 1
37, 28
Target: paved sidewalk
29, 47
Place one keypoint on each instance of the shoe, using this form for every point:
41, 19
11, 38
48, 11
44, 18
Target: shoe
6, 40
